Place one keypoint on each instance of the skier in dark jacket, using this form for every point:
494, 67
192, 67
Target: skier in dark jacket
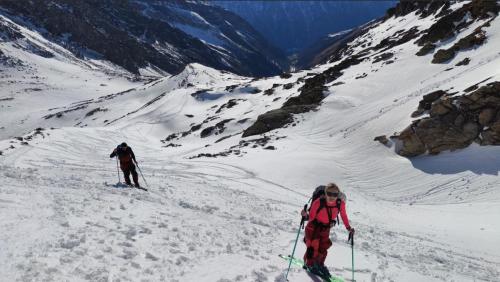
127, 159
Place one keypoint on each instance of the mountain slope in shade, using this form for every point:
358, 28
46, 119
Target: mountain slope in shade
221, 30
124, 34
295, 25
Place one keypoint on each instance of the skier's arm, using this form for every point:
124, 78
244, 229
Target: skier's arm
310, 227
313, 210
132, 154
343, 214
113, 154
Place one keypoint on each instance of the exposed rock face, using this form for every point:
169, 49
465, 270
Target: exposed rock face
397, 39
463, 62
311, 95
382, 139
383, 57
474, 39
454, 122
424, 8
275, 119
491, 136
217, 129
447, 26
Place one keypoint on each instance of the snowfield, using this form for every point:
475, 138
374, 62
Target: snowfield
65, 217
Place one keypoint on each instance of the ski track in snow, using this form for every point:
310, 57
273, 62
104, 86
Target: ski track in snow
83, 227
187, 217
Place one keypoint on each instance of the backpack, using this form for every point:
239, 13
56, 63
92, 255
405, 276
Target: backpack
319, 192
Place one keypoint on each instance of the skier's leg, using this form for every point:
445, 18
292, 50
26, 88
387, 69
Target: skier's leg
325, 244
312, 244
135, 177
126, 174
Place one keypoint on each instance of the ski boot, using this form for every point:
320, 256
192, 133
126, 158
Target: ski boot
315, 269
324, 271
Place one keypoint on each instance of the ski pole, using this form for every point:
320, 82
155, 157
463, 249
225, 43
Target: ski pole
295, 244
117, 170
351, 238
142, 175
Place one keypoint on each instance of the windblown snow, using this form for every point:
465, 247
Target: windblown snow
64, 217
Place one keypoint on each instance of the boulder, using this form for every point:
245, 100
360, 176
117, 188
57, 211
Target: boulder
441, 107
478, 37
285, 75
275, 119
454, 122
486, 116
383, 57
417, 113
426, 49
443, 56
269, 92
269, 121
412, 146
491, 136
382, 139
463, 62
459, 121
438, 136
428, 99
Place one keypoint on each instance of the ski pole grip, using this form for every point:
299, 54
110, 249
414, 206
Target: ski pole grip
303, 217
351, 238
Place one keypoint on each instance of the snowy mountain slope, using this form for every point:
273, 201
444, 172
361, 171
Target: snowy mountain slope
38, 74
224, 32
228, 217
141, 36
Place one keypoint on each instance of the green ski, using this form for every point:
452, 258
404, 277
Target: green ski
299, 262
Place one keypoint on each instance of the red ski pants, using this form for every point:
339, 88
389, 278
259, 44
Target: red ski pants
318, 242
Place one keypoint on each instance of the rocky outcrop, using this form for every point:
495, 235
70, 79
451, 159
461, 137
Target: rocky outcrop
311, 95
454, 122
463, 62
382, 139
476, 38
275, 119
397, 39
447, 26
426, 103
423, 8
383, 57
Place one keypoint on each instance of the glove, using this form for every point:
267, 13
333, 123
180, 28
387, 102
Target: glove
351, 231
304, 215
351, 235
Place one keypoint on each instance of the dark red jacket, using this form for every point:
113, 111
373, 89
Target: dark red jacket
125, 155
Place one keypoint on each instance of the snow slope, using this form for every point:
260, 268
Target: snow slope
38, 82
227, 218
